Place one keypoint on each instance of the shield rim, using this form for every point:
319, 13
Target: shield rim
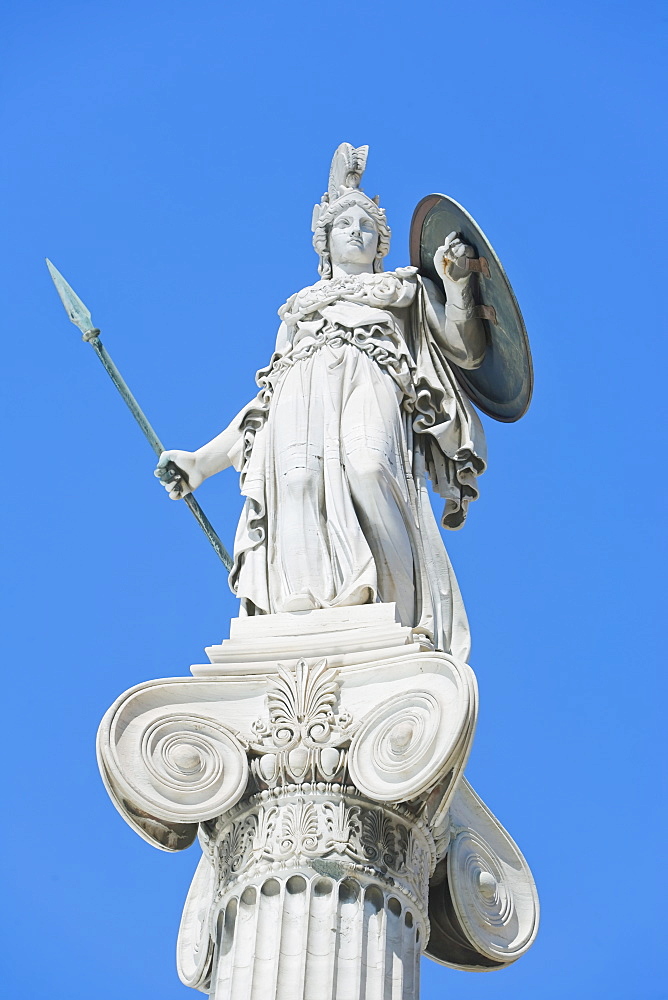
422, 209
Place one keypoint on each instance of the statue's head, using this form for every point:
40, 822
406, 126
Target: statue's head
348, 226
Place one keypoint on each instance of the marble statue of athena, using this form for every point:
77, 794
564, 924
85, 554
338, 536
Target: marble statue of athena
358, 409
319, 755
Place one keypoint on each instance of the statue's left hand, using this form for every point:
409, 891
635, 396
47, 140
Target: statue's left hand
450, 259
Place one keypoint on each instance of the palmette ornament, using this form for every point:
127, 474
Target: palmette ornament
319, 755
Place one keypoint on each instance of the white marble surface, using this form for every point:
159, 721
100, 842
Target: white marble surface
331, 807
347, 636
319, 755
357, 410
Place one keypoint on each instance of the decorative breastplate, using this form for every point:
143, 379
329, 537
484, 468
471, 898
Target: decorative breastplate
353, 310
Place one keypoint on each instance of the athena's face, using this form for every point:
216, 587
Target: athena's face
353, 238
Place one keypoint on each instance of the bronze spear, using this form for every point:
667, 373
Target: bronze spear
81, 317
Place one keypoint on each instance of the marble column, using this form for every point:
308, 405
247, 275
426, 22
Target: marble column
319, 758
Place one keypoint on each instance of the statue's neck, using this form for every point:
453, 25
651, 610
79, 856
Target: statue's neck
340, 270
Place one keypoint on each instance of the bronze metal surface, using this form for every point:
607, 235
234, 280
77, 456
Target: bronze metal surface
502, 385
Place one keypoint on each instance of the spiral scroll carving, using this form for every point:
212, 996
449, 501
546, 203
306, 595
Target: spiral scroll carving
184, 768
404, 746
491, 899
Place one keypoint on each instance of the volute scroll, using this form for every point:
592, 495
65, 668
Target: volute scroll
484, 910
407, 744
169, 767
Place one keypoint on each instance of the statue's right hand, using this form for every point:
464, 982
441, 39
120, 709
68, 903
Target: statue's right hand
178, 473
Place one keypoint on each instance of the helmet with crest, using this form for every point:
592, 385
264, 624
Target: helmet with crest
343, 191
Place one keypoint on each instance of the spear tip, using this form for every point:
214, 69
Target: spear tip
74, 307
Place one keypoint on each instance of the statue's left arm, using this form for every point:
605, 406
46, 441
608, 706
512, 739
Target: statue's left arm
461, 332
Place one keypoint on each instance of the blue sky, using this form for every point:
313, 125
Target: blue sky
166, 157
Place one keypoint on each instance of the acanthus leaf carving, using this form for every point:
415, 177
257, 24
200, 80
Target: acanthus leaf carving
236, 846
266, 825
301, 703
289, 826
378, 838
299, 829
300, 739
343, 825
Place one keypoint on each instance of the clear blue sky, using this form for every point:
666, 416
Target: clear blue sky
166, 157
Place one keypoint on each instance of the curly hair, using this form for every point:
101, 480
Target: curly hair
329, 214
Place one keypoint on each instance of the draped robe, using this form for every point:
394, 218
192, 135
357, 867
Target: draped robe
357, 410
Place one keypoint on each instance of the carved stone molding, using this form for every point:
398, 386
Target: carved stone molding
178, 767
300, 740
484, 906
404, 746
290, 826
302, 704
332, 814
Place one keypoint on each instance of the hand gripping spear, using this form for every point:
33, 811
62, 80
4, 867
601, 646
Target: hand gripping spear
81, 317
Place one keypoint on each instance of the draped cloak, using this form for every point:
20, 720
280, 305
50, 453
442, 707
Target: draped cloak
371, 335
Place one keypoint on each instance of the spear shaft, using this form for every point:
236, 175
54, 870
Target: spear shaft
81, 317
157, 445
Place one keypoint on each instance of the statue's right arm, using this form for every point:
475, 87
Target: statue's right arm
196, 466
193, 467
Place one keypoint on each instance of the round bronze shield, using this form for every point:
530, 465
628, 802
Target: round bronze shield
502, 385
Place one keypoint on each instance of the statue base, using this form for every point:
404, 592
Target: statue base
319, 755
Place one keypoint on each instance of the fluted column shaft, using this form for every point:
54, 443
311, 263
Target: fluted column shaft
310, 937
321, 895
